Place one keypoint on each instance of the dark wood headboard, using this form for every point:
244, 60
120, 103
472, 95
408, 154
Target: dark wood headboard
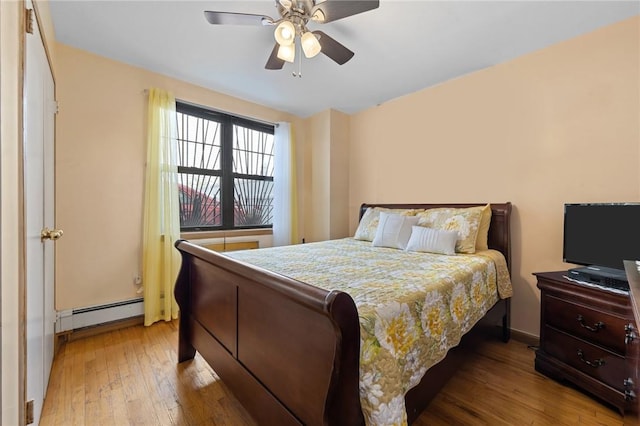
499, 230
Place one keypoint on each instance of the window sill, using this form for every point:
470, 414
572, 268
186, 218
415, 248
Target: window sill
225, 234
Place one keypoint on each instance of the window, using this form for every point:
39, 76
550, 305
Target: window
225, 170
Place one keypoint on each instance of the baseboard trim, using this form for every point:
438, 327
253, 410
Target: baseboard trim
526, 338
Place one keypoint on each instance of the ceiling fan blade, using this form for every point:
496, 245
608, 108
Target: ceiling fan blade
231, 18
333, 49
274, 63
332, 10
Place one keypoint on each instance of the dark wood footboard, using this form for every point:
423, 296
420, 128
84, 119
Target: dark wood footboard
290, 351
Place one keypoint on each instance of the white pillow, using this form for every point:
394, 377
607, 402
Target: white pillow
432, 240
394, 230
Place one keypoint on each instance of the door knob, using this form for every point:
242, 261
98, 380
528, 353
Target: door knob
50, 234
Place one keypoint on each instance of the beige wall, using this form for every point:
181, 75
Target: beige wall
339, 157
100, 158
555, 126
320, 147
328, 162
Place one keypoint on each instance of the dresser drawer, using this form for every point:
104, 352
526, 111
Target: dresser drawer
595, 326
598, 363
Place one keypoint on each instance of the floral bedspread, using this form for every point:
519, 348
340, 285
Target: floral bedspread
413, 307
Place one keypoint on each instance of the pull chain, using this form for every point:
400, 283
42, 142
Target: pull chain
299, 55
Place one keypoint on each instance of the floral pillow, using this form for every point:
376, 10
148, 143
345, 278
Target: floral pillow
369, 223
465, 221
482, 242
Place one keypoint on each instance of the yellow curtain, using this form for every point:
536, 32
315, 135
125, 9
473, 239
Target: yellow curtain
160, 260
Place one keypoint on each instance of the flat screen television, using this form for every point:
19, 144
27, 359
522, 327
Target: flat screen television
601, 234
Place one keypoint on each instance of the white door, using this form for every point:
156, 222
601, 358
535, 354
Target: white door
39, 112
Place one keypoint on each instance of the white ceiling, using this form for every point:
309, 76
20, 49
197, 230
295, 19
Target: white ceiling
401, 47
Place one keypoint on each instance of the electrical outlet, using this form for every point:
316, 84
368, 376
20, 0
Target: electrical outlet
137, 279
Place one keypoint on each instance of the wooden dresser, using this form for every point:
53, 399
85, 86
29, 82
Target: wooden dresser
632, 417
582, 337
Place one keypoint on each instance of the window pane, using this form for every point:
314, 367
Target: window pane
252, 152
253, 202
198, 142
199, 200
225, 164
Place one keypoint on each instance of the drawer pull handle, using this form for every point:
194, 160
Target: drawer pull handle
629, 395
596, 327
629, 335
595, 364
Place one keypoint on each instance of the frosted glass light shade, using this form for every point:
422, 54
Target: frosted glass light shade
285, 33
310, 44
287, 52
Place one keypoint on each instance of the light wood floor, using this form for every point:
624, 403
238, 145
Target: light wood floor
130, 377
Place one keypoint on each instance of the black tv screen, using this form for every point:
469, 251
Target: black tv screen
601, 234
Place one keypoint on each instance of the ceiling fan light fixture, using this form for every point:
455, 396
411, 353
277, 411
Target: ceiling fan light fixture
285, 33
291, 24
287, 52
310, 44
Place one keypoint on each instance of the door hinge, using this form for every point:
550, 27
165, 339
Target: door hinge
28, 16
56, 107
28, 412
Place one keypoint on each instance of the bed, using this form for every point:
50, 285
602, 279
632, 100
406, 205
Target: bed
290, 351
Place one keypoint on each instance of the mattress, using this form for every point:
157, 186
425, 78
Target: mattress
413, 307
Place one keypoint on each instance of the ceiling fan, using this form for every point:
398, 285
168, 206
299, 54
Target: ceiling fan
294, 17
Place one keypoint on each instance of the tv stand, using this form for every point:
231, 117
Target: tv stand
583, 337
600, 275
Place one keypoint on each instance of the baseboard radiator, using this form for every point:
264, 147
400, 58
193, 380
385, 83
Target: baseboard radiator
74, 319
227, 244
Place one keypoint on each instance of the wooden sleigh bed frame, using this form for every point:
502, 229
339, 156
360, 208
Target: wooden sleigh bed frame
290, 351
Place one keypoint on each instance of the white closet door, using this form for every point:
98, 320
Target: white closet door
39, 195
49, 109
